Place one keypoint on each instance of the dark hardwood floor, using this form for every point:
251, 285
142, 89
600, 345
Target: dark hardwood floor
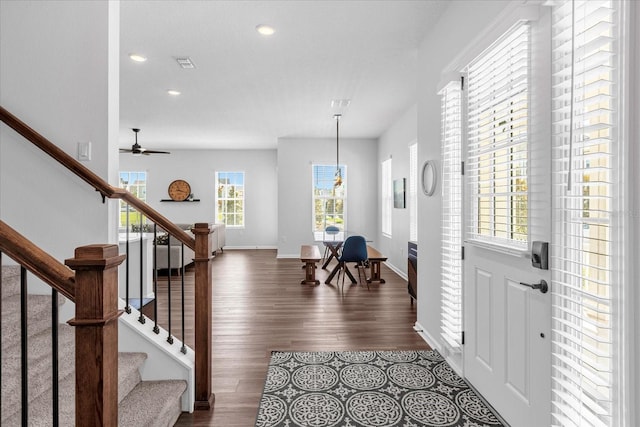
260, 306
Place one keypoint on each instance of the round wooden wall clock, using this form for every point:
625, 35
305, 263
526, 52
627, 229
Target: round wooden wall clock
179, 190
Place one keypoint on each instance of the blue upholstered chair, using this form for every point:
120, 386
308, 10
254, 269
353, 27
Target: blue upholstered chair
354, 250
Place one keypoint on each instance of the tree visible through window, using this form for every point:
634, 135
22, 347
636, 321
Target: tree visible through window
136, 184
230, 198
328, 201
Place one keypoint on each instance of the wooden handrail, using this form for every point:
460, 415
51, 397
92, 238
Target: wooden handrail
106, 189
37, 261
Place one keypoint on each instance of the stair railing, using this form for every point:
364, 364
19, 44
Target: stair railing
94, 289
201, 244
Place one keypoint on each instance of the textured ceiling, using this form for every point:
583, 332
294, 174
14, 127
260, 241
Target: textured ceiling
249, 90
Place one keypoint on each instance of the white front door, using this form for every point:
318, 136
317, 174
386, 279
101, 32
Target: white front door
507, 348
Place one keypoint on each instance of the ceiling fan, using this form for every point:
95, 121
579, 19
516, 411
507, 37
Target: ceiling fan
137, 150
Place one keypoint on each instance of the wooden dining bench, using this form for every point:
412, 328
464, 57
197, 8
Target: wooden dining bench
375, 258
310, 256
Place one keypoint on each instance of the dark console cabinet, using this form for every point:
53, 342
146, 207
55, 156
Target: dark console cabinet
412, 270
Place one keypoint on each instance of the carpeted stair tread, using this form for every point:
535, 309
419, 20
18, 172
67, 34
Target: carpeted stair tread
38, 317
10, 280
162, 409
129, 372
39, 367
40, 409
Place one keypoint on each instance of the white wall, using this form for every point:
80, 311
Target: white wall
198, 168
458, 26
295, 215
395, 143
55, 76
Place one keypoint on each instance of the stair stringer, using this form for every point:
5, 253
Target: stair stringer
165, 361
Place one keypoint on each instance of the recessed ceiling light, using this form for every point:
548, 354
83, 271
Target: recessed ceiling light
173, 92
137, 57
265, 30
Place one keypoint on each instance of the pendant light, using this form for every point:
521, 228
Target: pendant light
337, 180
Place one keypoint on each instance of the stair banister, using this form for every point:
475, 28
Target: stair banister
203, 279
103, 187
39, 262
94, 289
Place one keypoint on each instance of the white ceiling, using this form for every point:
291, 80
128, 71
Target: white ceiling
248, 90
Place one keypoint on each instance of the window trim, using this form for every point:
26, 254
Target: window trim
386, 198
244, 198
318, 234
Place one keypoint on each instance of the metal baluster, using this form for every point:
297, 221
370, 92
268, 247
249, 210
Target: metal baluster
141, 318
127, 308
54, 358
183, 349
23, 346
156, 329
169, 337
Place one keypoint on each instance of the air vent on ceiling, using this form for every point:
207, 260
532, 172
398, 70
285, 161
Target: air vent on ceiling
186, 63
340, 103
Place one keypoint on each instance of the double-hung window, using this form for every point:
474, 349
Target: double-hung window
136, 184
230, 198
497, 156
329, 200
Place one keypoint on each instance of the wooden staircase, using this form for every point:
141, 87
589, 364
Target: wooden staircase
140, 403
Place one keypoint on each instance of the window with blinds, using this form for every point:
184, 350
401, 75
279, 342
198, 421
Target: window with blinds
387, 197
497, 105
413, 192
451, 141
585, 273
329, 201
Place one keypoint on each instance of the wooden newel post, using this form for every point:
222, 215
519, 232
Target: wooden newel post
203, 315
96, 324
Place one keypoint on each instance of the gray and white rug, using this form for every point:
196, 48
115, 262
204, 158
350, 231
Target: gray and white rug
368, 388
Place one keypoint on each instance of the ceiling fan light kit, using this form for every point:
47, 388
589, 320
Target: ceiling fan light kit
137, 150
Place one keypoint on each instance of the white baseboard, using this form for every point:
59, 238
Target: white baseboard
231, 248
396, 270
427, 337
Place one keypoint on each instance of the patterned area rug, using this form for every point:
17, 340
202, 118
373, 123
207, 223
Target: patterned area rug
368, 388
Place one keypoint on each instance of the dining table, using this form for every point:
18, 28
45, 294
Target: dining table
334, 241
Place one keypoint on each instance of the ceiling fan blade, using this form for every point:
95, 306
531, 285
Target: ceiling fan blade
155, 152
126, 150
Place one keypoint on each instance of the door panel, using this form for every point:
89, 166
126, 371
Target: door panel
484, 313
517, 351
504, 348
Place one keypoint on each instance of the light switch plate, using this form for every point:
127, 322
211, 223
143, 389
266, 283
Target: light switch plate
84, 151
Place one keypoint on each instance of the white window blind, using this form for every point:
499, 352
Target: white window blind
498, 96
387, 197
413, 192
451, 128
586, 279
